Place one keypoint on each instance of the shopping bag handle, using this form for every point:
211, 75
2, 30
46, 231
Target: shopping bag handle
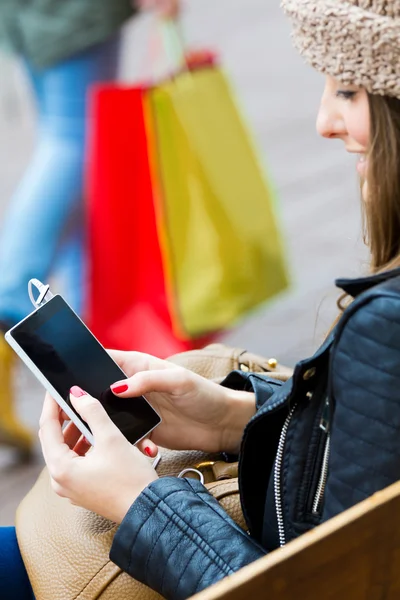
174, 43
166, 41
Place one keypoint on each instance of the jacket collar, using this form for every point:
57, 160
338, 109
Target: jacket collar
354, 287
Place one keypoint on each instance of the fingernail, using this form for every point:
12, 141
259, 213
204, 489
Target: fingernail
147, 451
118, 389
77, 392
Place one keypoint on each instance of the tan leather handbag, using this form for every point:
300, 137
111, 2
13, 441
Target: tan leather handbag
66, 548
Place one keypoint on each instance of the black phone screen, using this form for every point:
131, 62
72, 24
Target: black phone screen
67, 354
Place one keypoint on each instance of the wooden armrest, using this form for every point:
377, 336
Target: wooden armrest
354, 556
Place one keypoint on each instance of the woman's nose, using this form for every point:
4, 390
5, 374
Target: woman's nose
329, 124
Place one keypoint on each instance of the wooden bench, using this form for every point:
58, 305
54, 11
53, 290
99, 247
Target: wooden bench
355, 556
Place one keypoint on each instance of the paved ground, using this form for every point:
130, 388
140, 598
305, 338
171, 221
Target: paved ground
315, 179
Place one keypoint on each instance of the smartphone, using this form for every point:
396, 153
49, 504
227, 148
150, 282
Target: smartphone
59, 349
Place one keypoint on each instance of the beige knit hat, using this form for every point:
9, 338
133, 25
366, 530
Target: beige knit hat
356, 41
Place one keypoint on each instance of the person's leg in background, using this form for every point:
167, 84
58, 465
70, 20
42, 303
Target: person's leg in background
14, 582
49, 193
70, 263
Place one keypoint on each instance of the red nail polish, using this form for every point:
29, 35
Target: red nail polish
77, 392
118, 389
147, 451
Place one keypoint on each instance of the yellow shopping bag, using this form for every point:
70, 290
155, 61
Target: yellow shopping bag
221, 246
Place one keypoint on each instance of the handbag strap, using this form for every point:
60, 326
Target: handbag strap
216, 361
223, 489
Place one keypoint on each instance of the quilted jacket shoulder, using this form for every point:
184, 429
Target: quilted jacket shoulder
365, 387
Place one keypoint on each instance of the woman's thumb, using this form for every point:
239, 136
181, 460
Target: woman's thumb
92, 412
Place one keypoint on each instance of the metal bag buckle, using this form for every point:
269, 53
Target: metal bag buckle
203, 469
192, 470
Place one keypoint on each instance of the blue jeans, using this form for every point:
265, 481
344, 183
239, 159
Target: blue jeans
14, 582
43, 230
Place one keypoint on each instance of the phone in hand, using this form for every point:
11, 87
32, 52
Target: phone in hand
61, 352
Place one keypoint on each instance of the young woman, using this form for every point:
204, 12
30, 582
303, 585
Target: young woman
309, 448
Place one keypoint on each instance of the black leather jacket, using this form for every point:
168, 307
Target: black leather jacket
318, 444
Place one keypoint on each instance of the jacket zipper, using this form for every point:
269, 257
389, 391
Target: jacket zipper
324, 426
319, 494
278, 478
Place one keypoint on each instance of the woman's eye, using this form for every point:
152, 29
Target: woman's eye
346, 94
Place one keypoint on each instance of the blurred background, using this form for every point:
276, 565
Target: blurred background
315, 181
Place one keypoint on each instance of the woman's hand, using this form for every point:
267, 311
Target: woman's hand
168, 9
197, 414
108, 478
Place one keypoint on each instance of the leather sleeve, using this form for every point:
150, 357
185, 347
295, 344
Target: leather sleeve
262, 385
178, 540
365, 433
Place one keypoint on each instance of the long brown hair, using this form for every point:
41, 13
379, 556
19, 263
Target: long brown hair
381, 213
382, 210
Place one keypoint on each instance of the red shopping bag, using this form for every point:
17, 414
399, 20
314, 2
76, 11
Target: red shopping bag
127, 303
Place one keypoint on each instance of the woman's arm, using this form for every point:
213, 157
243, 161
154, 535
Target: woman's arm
365, 433
260, 384
178, 540
197, 414
174, 535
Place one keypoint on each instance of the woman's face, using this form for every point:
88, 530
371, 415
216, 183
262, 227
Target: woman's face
344, 114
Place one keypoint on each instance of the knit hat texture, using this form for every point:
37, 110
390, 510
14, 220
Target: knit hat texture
355, 41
